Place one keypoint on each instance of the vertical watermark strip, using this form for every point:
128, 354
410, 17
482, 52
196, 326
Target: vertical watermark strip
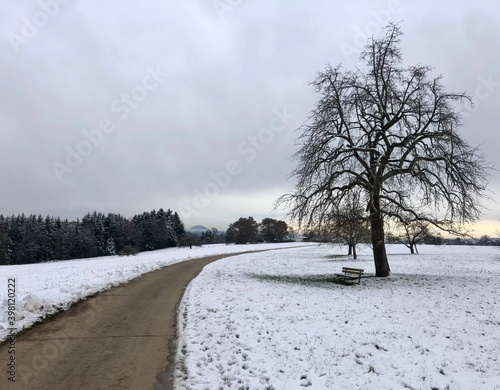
12, 329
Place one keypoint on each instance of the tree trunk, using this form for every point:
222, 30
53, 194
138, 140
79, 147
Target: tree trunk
412, 248
377, 236
354, 254
349, 251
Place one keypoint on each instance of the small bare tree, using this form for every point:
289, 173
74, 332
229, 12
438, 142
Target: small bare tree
411, 232
349, 222
391, 133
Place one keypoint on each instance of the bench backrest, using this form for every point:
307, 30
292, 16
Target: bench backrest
357, 271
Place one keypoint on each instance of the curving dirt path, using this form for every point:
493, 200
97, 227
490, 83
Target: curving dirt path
118, 339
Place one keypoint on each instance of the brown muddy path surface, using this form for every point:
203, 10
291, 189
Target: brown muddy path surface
118, 339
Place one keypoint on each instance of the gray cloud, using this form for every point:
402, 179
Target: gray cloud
227, 74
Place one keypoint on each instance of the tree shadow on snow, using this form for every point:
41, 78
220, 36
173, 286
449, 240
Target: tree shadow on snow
325, 280
337, 257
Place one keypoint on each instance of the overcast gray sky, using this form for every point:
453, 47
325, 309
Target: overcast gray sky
192, 105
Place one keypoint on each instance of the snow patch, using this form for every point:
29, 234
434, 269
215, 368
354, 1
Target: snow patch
276, 320
31, 303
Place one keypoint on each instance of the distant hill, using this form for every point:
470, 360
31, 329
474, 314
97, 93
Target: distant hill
197, 229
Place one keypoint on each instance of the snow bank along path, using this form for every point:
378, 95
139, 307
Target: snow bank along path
118, 339
275, 321
45, 288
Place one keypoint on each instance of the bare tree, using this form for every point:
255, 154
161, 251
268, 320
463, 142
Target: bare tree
349, 222
321, 234
411, 232
390, 132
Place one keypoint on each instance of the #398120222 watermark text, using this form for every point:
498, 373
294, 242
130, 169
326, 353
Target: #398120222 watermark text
11, 320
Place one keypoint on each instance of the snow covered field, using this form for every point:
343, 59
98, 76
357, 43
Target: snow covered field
45, 288
273, 320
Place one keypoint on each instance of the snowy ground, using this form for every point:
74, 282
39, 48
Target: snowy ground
274, 320
46, 288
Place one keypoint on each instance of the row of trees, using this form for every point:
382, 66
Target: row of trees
34, 239
212, 236
349, 224
407, 232
247, 230
484, 240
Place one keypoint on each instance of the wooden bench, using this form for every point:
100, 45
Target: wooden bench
351, 273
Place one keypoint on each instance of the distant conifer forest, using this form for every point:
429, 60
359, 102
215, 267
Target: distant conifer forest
35, 239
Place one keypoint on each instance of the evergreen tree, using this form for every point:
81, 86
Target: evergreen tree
6, 243
110, 247
32, 239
